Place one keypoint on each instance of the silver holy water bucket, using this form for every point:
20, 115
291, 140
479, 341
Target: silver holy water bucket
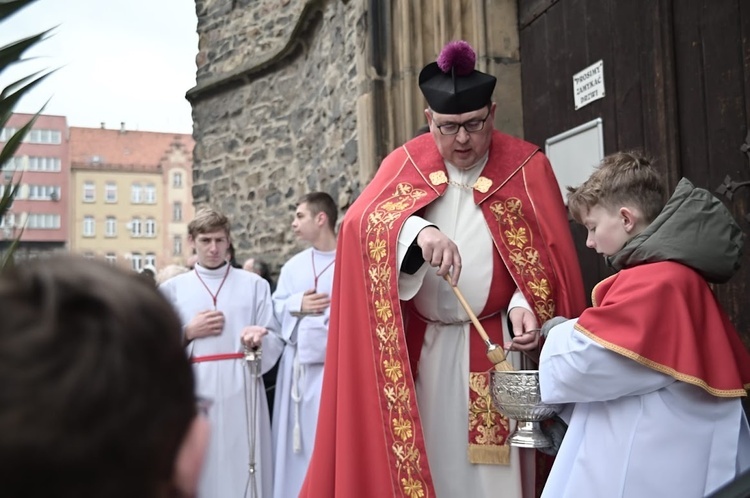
516, 395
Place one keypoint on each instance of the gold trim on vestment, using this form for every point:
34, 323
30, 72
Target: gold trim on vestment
516, 234
488, 429
482, 184
438, 178
392, 370
671, 372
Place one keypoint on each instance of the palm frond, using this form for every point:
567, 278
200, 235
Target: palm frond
10, 96
10, 7
12, 53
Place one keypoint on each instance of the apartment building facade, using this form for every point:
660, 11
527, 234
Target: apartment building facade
41, 167
131, 196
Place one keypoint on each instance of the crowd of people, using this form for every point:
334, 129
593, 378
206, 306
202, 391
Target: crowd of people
111, 384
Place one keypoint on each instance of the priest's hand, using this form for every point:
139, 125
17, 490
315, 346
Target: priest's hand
252, 336
204, 324
525, 330
315, 302
441, 252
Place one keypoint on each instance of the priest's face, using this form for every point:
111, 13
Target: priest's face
211, 248
464, 148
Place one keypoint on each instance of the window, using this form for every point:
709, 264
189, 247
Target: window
177, 245
110, 229
150, 229
44, 193
135, 227
136, 262
88, 255
177, 211
13, 164
44, 137
136, 193
177, 180
8, 221
88, 226
110, 192
111, 258
150, 192
150, 259
37, 221
3, 186
43, 163
89, 191
6, 133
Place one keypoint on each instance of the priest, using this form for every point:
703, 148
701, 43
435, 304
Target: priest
406, 408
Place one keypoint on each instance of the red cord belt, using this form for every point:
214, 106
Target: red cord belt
218, 357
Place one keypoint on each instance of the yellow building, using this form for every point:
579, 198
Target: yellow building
131, 196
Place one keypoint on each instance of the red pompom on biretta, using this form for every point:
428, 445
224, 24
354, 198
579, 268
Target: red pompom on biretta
459, 56
451, 85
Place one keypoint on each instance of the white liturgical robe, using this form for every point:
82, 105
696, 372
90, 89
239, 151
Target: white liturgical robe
300, 376
635, 432
240, 425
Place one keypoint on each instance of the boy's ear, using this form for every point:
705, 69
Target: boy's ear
629, 218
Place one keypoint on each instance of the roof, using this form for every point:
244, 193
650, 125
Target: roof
99, 148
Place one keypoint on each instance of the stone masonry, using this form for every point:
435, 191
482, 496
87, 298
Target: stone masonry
285, 130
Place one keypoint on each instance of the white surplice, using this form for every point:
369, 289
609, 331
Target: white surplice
238, 399
443, 379
300, 376
635, 432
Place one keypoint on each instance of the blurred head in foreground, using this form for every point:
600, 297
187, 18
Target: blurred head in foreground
97, 394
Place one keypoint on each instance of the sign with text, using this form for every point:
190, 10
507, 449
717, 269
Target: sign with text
588, 85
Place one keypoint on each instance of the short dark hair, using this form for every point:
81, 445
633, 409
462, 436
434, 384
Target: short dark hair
97, 392
319, 202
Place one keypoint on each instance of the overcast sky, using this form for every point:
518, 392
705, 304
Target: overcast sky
119, 61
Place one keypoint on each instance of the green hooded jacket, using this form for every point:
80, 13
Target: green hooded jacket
694, 229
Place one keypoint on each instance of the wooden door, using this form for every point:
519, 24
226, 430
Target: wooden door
677, 79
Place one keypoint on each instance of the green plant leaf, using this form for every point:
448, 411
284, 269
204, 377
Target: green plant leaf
15, 141
12, 53
10, 7
9, 101
10, 96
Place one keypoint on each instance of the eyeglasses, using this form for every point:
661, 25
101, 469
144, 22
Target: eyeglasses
471, 126
202, 405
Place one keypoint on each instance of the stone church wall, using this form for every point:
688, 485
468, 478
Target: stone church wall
273, 122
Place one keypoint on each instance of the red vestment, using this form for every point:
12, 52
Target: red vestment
665, 316
369, 440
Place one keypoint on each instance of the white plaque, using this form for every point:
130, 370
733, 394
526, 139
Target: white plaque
575, 154
588, 85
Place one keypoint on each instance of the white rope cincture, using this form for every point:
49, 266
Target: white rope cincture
296, 398
253, 359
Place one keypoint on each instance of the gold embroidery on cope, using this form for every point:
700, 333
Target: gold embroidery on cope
483, 184
517, 236
396, 392
438, 178
488, 429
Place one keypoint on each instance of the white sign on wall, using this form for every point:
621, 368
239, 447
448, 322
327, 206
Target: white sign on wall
588, 85
575, 153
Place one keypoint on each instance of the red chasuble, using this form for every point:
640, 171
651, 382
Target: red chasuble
664, 316
369, 440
